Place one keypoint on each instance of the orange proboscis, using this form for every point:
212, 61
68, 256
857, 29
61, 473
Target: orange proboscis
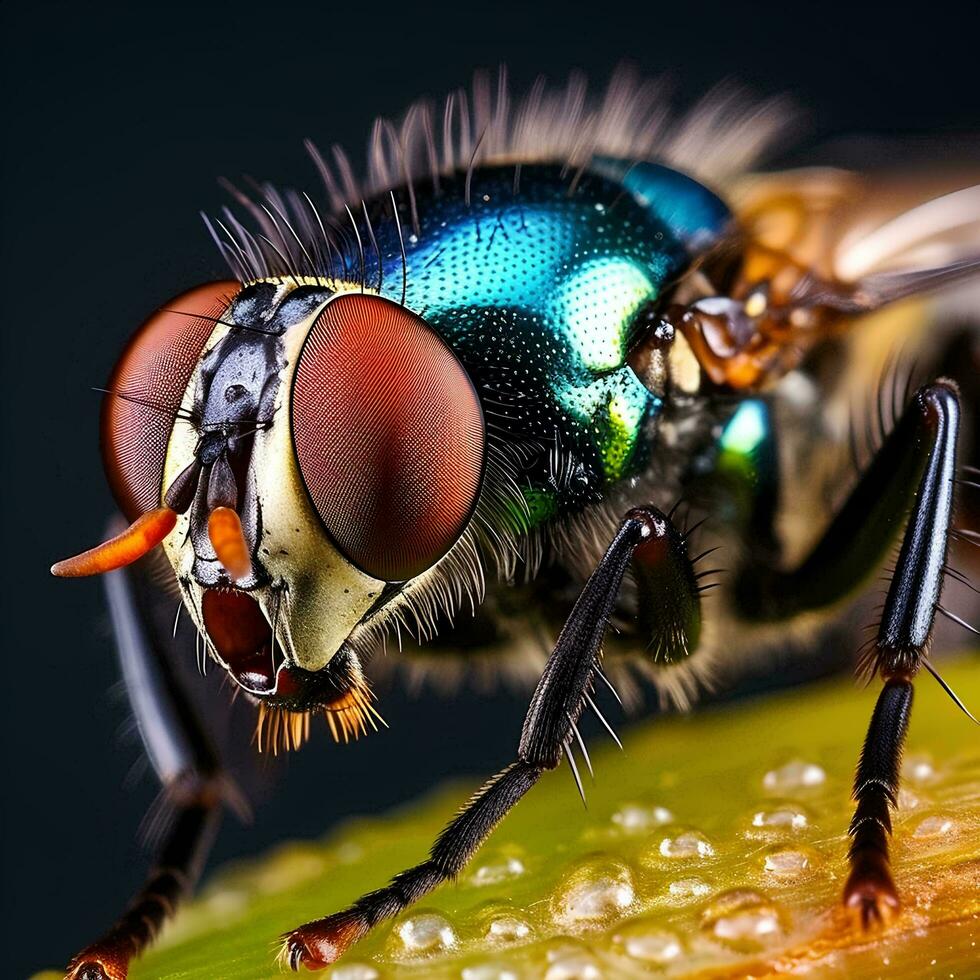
228, 541
144, 534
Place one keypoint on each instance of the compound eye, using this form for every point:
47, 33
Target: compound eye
145, 391
389, 435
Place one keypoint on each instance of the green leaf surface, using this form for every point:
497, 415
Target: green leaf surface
713, 847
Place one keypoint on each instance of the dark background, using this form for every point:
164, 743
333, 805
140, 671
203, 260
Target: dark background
117, 121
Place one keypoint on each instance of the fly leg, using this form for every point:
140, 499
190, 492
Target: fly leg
870, 889
899, 648
909, 482
549, 727
193, 788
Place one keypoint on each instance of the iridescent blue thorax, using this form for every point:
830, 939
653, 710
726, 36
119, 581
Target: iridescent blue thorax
537, 277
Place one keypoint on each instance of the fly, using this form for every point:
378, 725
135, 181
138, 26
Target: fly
481, 381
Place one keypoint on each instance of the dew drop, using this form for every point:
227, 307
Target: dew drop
572, 965
488, 971
918, 768
593, 892
742, 919
688, 888
934, 826
507, 929
636, 818
686, 844
424, 933
787, 816
786, 863
644, 941
354, 971
495, 872
907, 800
794, 775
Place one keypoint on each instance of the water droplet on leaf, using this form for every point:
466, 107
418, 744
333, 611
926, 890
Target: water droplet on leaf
493, 873
686, 844
644, 941
635, 818
354, 971
934, 826
507, 929
794, 775
488, 971
918, 768
786, 863
688, 888
424, 933
743, 920
572, 964
594, 892
787, 816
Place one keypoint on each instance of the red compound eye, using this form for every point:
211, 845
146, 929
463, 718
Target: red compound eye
147, 386
389, 435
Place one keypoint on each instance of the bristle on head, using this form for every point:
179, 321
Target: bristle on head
279, 730
715, 142
349, 716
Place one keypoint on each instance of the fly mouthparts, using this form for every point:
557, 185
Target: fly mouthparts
141, 537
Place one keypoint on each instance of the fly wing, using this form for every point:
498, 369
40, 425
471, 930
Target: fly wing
869, 238
912, 225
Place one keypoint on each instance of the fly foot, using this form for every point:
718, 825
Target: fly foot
100, 962
871, 898
318, 944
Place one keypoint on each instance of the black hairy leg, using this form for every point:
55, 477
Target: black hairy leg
900, 648
550, 726
870, 889
171, 878
193, 788
907, 489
